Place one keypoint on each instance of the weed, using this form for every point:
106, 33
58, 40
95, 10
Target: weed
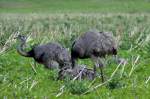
76, 87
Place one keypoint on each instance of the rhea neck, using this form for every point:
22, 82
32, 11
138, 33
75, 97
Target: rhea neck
21, 50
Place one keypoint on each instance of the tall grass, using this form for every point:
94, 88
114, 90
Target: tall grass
132, 32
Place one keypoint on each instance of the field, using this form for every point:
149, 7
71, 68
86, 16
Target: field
130, 25
69, 6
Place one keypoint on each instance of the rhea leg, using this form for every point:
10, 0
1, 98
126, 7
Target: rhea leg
99, 64
73, 60
61, 72
95, 60
101, 69
102, 75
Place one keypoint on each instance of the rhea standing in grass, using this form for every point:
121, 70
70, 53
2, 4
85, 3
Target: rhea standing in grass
93, 45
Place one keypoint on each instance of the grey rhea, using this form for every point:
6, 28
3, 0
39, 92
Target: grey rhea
93, 45
46, 54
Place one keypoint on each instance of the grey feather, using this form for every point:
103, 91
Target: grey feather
46, 54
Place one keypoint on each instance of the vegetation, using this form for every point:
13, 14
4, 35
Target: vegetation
17, 78
65, 6
20, 79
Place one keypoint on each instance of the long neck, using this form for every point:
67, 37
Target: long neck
21, 51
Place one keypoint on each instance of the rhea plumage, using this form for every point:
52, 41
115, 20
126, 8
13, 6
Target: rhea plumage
46, 54
93, 45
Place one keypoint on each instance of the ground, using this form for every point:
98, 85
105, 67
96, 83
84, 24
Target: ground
62, 21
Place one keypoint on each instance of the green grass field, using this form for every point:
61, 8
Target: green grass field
70, 6
48, 21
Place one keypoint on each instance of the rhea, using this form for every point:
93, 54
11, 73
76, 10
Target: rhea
94, 45
45, 54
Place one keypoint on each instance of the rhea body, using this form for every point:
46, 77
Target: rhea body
46, 54
93, 45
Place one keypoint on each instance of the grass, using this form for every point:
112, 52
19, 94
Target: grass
62, 21
74, 6
17, 79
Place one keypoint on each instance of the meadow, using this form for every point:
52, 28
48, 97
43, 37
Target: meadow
130, 25
74, 6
